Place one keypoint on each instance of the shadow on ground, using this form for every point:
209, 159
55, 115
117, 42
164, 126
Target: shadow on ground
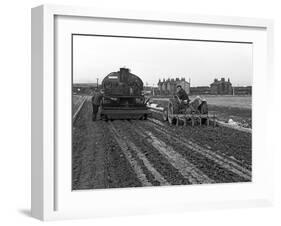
25, 212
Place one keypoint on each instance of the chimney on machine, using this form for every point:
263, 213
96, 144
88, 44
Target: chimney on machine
124, 74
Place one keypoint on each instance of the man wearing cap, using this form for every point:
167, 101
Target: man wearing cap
96, 100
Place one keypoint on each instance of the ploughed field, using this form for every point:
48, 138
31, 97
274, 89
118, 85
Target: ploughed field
244, 102
236, 108
133, 153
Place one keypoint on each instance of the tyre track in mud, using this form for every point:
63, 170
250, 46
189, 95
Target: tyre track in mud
186, 169
134, 156
97, 160
82, 154
125, 153
155, 158
221, 160
218, 154
204, 167
230, 143
119, 173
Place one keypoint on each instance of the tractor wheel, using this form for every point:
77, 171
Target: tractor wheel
145, 117
104, 117
203, 108
173, 108
165, 114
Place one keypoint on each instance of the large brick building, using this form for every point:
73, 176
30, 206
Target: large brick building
242, 90
169, 86
221, 87
200, 90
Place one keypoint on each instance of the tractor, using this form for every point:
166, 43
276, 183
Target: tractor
178, 111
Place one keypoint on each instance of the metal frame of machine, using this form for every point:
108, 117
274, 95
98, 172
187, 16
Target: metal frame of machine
123, 97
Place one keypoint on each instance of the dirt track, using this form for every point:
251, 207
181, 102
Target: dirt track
152, 153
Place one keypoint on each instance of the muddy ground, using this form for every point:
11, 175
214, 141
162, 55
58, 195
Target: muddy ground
124, 153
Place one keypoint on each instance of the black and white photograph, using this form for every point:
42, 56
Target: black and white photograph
152, 111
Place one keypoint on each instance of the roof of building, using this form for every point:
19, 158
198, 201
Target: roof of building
173, 80
222, 80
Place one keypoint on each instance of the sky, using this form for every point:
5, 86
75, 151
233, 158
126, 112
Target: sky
151, 59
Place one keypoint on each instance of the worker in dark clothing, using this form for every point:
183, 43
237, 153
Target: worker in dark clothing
96, 100
182, 94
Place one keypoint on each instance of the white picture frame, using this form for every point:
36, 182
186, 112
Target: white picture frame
46, 187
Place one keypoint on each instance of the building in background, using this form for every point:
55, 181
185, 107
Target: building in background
151, 90
242, 90
169, 86
221, 87
200, 90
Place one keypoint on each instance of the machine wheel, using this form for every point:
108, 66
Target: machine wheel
145, 117
104, 118
173, 108
203, 108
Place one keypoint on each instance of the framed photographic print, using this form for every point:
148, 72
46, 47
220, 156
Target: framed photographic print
137, 112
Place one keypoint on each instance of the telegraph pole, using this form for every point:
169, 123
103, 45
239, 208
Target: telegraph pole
97, 83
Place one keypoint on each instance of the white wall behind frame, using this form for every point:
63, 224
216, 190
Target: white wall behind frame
15, 67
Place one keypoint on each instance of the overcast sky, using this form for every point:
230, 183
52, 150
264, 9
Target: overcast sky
150, 59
